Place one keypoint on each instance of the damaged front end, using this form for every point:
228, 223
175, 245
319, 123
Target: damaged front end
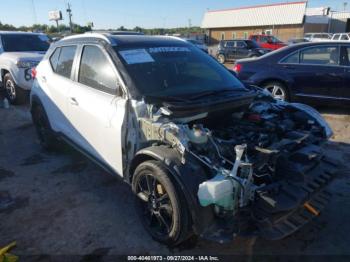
266, 171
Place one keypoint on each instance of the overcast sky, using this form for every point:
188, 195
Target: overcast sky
129, 13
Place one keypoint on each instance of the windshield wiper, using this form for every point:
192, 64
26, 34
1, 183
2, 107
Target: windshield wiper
168, 98
214, 92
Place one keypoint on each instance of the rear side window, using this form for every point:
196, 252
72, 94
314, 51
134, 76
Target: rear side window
95, 70
54, 58
291, 59
230, 44
65, 61
320, 56
240, 44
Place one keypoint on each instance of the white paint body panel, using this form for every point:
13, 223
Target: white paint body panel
97, 119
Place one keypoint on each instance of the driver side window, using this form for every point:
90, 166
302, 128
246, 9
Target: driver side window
96, 71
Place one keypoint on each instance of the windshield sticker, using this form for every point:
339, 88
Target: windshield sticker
169, 49
136, 56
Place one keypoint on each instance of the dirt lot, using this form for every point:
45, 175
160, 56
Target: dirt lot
62, 204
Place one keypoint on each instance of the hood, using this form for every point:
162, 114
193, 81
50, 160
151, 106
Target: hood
23, 56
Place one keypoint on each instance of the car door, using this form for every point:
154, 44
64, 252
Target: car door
315, 72
230, 50
96, 109
241, 50
56, 79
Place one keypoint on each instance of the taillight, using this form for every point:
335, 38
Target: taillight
33, 73
237, 68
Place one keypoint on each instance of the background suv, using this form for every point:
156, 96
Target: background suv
231, 50
19, 53
199, 148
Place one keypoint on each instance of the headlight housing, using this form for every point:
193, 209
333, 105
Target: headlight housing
315, 115
26, 64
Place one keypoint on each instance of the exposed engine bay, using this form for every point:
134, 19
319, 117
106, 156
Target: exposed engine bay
260, 156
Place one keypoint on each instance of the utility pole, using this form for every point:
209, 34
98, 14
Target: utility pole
69, 11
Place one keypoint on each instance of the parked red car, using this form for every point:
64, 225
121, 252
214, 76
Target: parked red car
268, 41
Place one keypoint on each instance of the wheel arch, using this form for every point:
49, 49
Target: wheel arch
3, 72
35, 101
186, 176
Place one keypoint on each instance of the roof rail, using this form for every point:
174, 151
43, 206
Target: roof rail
95, 35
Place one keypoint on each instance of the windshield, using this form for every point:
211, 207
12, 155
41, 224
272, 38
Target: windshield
176, 71
24, 42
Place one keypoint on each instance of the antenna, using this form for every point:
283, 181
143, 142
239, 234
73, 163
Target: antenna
69, 11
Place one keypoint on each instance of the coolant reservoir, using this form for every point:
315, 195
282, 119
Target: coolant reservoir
218, 191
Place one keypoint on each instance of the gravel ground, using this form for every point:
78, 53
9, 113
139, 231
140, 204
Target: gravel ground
62, 204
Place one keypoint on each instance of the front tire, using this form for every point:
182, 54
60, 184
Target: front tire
46, 135
160, 204
221, 59
13, 92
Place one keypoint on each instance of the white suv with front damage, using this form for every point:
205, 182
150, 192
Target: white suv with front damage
19, 53
204, 154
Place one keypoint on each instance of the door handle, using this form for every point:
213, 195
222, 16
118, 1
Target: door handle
289, 67
74, 101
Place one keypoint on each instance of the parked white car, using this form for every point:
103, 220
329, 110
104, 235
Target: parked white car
317, 37
19, 53
341, 37
205, 155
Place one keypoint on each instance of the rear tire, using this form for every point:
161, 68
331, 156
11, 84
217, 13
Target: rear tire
278, 90
221, 59
160, 204
13, 92
46, 135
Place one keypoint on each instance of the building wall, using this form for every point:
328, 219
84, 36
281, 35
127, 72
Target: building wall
284, 32
315, 28
339, 25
